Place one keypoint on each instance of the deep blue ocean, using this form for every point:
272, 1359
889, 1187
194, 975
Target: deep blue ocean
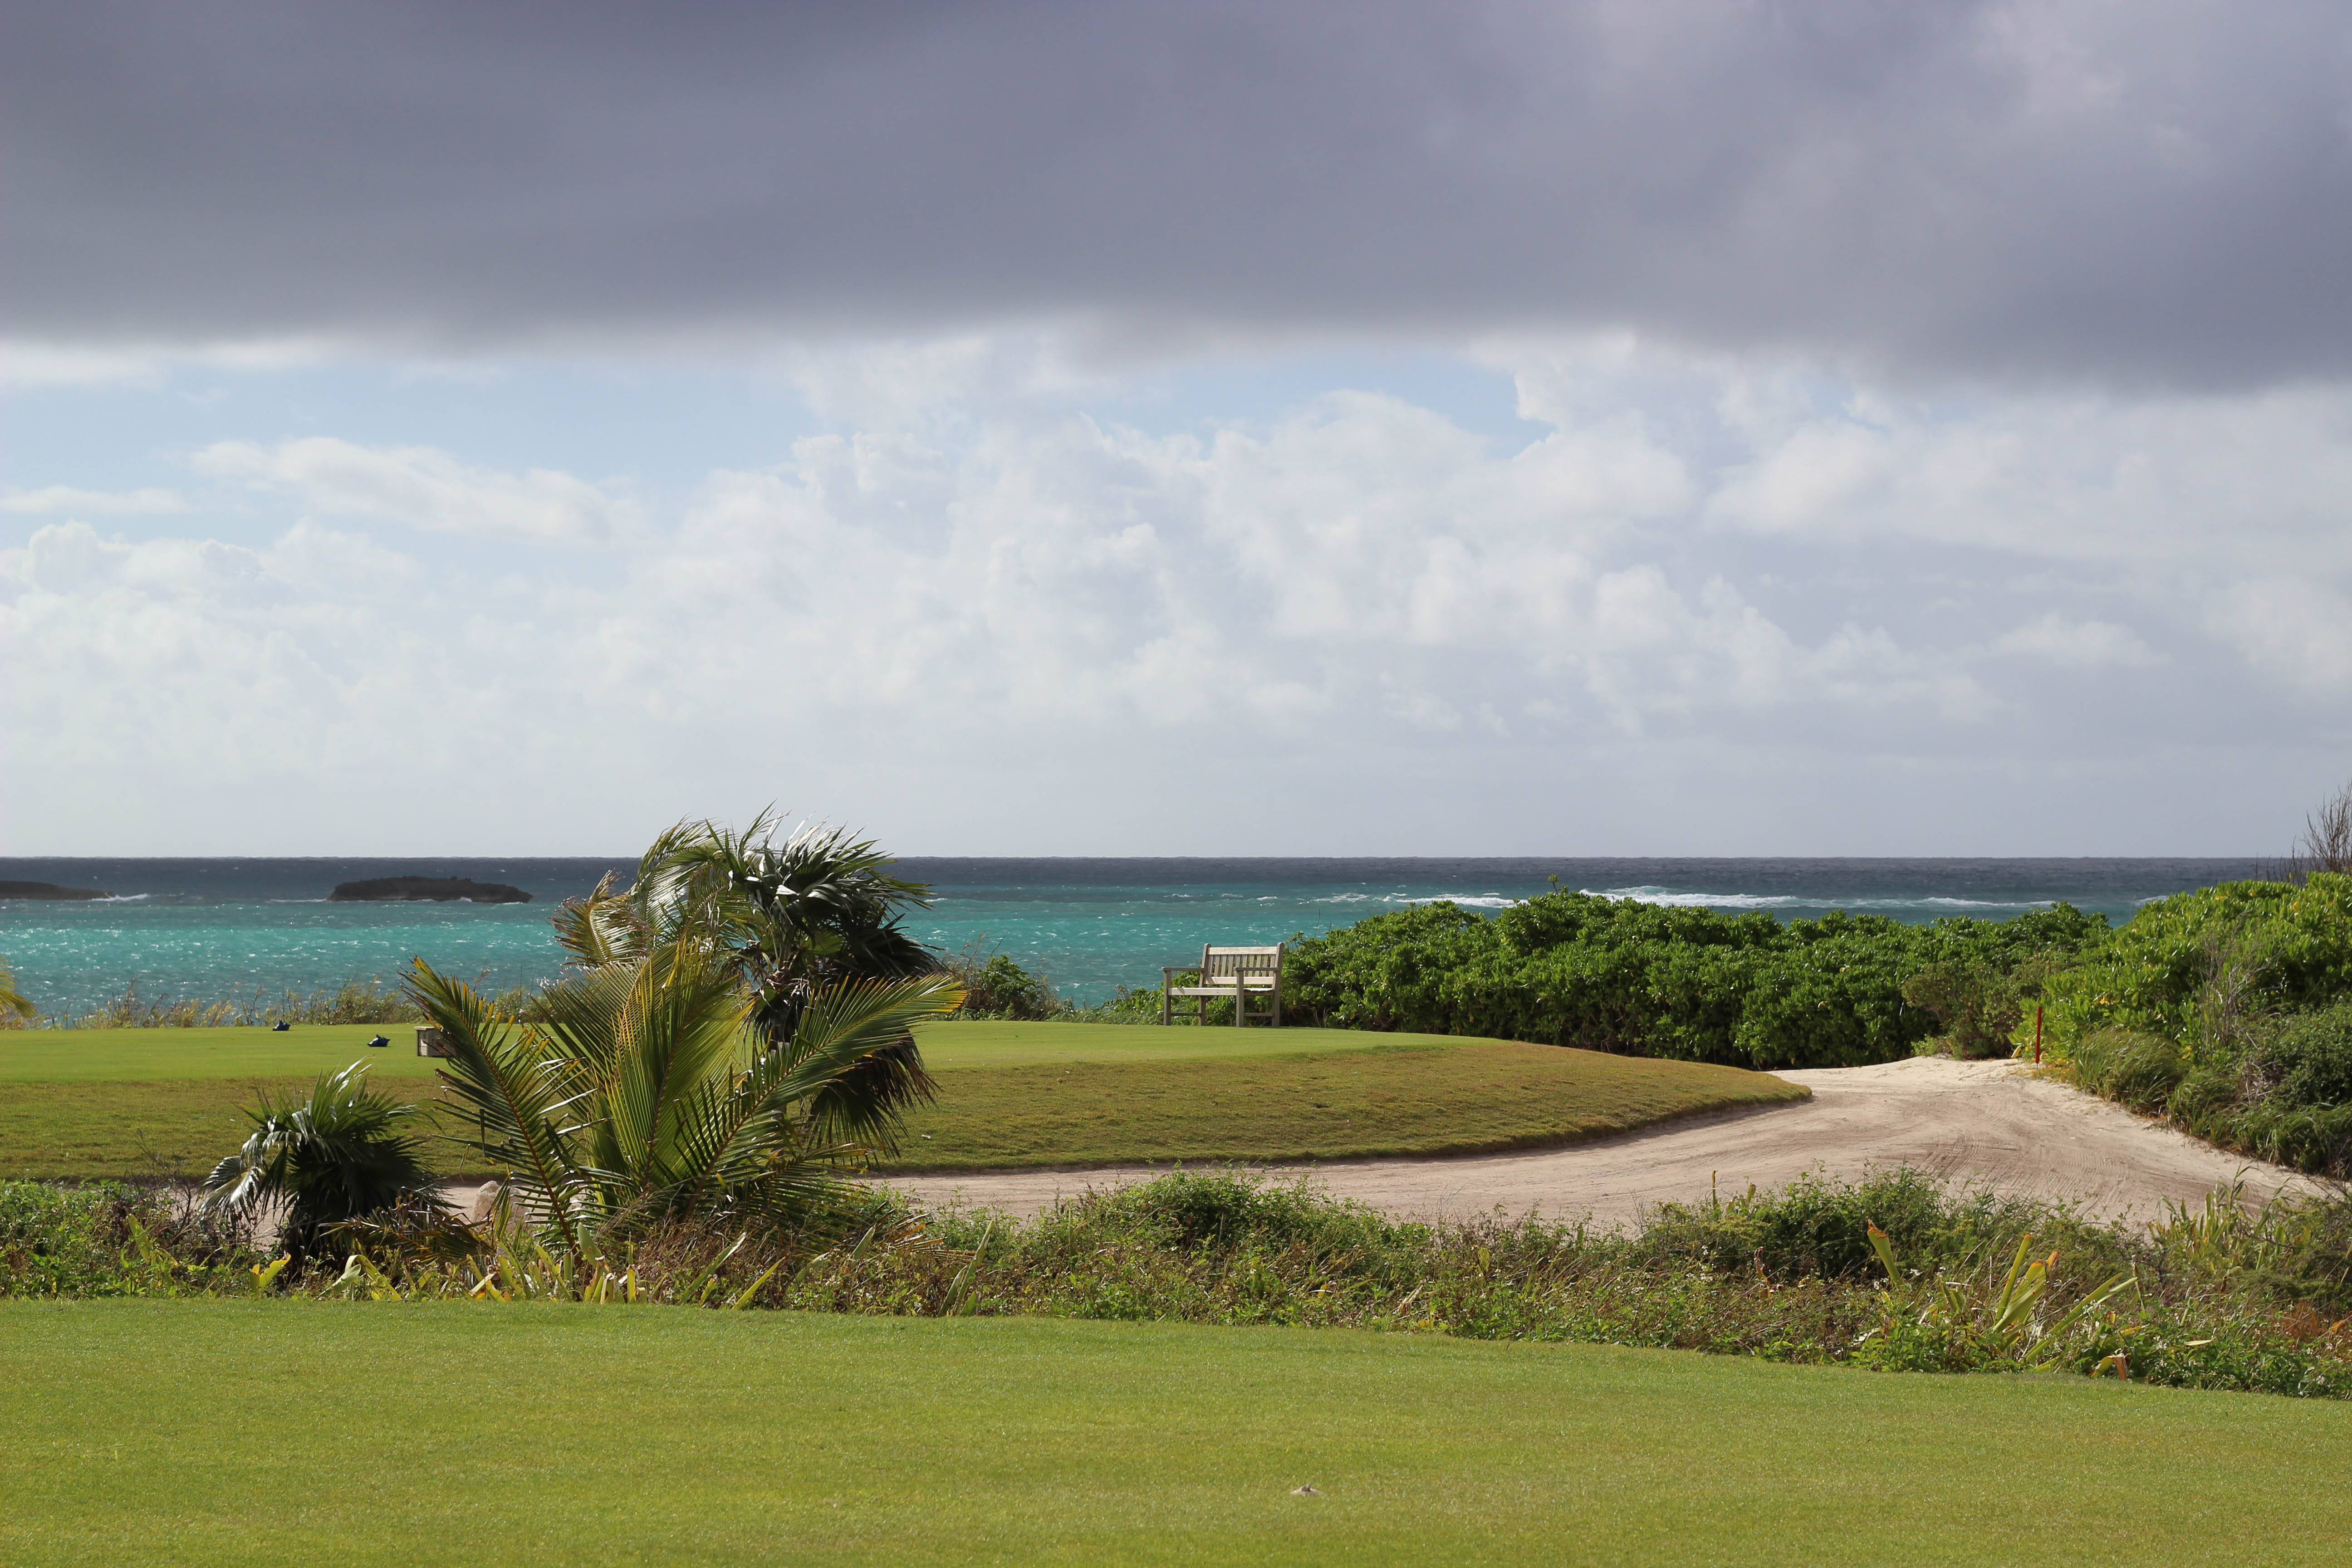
212, 929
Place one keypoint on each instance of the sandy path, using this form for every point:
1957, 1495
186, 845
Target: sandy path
1990, 1123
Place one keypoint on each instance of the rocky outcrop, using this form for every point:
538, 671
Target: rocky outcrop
47, 890
438, 890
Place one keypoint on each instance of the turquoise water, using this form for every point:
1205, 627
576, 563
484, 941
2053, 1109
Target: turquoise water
212, 928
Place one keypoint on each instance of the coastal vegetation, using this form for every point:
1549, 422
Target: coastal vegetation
2227, 1010
1893, 1273
1695, 984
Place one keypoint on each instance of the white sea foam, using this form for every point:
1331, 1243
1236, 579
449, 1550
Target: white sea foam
1468, 901
1665, 896
118, 899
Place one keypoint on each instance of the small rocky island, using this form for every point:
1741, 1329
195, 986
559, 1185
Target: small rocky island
47, 890
438, 890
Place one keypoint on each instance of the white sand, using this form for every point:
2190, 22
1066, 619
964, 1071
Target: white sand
1993, 1124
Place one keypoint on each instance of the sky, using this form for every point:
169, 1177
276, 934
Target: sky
1672, 428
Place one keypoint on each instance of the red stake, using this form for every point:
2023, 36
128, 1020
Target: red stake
2037, 1032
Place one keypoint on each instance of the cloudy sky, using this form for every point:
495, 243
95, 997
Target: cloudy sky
1675, 426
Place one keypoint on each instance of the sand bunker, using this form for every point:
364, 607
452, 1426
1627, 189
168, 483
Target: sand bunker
1992, 1124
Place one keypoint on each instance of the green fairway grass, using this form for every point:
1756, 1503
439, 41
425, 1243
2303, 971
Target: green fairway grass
117, 1056
977, 1043
288, 1432
1378, 1098
133, 1103
132, 1055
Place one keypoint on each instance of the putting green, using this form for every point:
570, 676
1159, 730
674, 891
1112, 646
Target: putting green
449, 1433
1434, 1095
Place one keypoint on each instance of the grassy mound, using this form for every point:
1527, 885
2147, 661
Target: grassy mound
1373, 1097
152, 1103
555, 1433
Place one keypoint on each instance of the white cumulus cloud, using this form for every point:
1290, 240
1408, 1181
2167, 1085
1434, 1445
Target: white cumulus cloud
422, 488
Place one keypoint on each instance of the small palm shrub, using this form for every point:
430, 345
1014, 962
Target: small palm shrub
339, 1154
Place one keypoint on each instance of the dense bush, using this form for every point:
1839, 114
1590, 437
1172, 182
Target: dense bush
1574, 969
997, 986
111, 1240
2228, 1010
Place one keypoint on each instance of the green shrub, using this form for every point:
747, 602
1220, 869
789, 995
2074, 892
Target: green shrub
1977, 1003
2293, 944
997, 986
2309, 1061
2139, 1068
2230, 1009
1574, 969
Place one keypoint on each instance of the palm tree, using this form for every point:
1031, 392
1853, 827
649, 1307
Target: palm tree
789, 919
333, 1157
644, 1090
14, 1004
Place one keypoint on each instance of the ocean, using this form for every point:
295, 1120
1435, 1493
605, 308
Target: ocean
226, 928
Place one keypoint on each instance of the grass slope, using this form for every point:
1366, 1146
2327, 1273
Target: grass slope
1386, 1099
150, 1102
451, 1433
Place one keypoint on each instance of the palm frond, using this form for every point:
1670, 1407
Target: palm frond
852, 1060
332, 1156
13, 1003
679, 1028
518, 1093
605, 927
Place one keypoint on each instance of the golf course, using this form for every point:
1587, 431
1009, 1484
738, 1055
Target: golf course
408, 1433
755, 1280
86, 1103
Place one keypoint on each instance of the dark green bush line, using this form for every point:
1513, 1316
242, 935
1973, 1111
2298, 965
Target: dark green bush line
1574, 969
2228, 1010
2218, 1297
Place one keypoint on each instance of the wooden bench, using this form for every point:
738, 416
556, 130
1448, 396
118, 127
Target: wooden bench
1236, 974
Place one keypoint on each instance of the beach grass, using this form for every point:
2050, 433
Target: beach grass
396, 1432
136, 1104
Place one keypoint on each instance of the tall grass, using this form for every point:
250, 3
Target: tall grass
1894, 1273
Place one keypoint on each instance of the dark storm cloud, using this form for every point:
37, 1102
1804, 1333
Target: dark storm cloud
2152, 191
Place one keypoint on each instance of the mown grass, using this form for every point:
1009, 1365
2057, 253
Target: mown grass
1381, 1100
398, 1433
144, 1102
90, 1055
147, 1103
134, 1130
141, 1054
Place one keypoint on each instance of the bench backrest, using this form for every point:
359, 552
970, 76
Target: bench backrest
1224, 962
